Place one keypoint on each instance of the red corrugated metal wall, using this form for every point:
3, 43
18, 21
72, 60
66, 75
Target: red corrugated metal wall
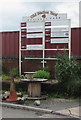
0, 44
79, 41
75, 41
10, 43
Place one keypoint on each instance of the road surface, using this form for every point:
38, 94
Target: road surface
17, 113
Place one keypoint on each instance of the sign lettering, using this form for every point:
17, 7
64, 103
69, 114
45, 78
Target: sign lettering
52, 13
44, 12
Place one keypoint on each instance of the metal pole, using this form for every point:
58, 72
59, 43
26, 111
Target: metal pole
20, 52
43, 42
69, 39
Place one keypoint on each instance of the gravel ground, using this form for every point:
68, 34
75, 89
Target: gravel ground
54, 103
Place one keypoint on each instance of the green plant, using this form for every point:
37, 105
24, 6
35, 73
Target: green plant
55, 95
68, 73
42, 74
5, 77
74, 88
14, 72
67, 69
79, 70
22, 91
22, 77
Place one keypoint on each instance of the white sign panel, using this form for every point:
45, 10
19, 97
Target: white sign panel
34, 24
60, 26
59, 29
60, 22
39, 35
34, 27
34, 47
34, 30
60, 34
60, 40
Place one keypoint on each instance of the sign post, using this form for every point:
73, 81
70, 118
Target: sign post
20, 52
43, 43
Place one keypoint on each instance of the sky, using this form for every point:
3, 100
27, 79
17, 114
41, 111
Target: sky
12, 11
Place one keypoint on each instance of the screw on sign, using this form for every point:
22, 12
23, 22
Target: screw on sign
44, 16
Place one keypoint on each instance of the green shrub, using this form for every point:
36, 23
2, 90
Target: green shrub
79, 70
67, 69
42, 74
68, 73
5, 77
22, 77
74, 88
14, 72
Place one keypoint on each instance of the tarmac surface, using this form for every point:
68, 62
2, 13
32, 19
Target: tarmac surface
18, 113
62, 108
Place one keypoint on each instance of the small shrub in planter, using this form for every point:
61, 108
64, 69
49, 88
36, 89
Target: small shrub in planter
42, 74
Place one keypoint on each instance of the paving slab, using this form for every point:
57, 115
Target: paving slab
75, 112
